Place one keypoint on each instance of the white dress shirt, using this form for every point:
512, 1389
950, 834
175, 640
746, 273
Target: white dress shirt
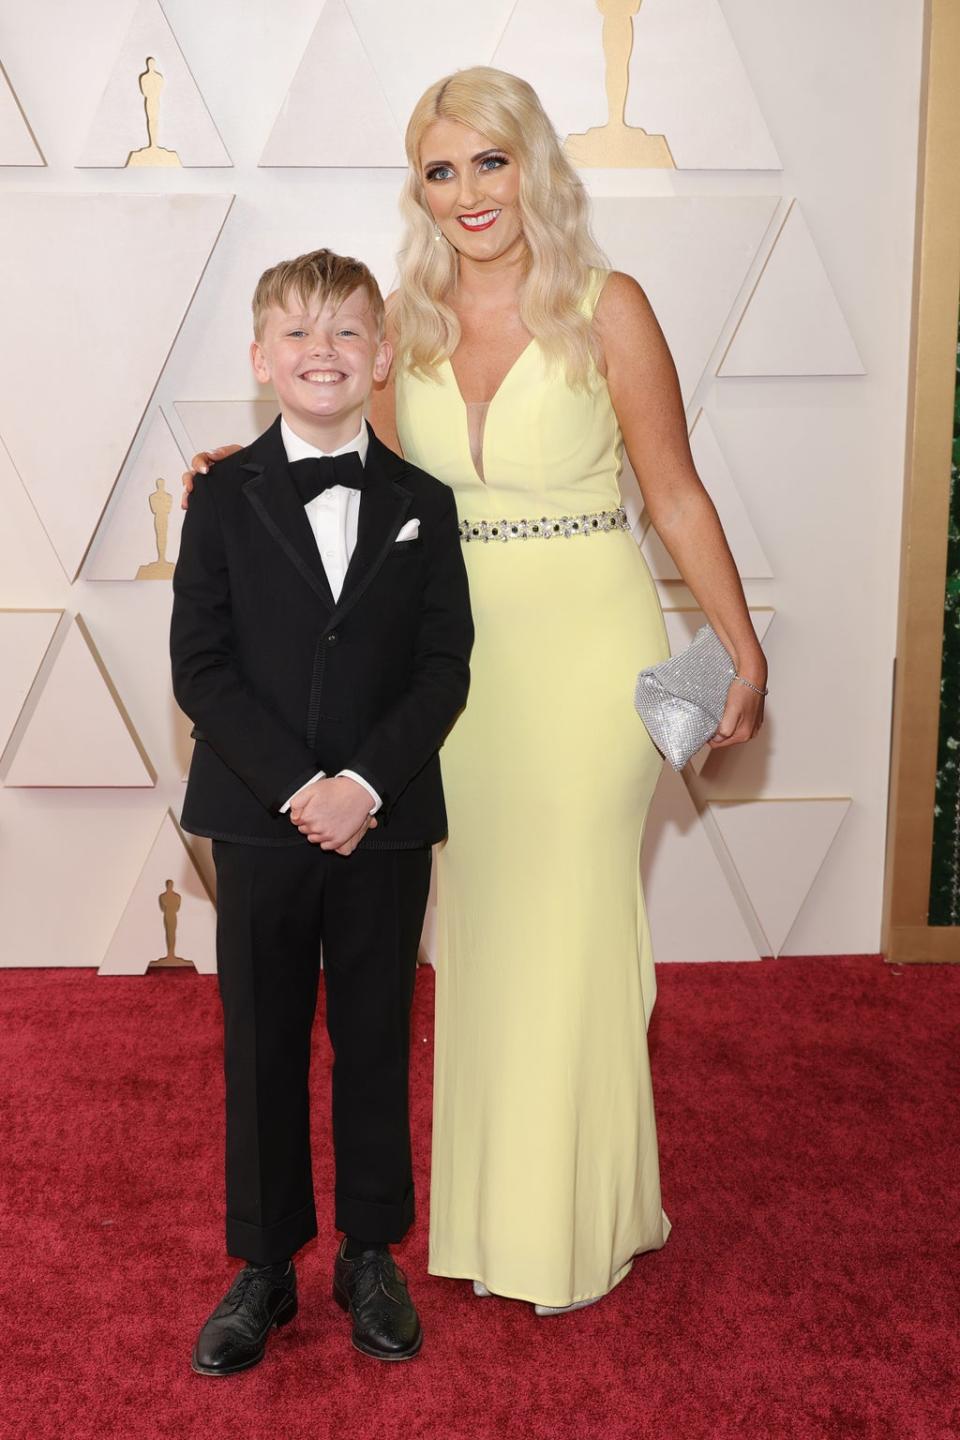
333, 517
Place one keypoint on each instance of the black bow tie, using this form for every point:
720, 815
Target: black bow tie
322, 472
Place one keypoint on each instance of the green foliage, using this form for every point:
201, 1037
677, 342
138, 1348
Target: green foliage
945, 877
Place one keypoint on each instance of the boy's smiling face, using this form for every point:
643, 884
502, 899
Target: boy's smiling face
322, 358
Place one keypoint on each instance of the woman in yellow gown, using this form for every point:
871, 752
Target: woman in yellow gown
522, 367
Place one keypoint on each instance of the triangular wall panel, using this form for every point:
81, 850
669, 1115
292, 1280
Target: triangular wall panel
693, 914
714, 471
130, 539
69, 861
414, 44
157, 913
778, 846
212, 423
686, 79
691, 254
683, 622
79, 733
17, 145
135, 262
335, 112
25, 637
556, 46
687, 82
30, 573
184, 130
792, 324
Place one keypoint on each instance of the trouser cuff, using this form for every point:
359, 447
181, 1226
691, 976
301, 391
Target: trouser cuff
368, 1220
269, 1244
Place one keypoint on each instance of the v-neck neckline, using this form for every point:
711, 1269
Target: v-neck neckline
488, 404
503, 379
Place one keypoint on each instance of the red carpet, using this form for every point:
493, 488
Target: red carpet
809, 1149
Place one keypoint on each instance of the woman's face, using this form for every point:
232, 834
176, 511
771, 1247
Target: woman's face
473, 190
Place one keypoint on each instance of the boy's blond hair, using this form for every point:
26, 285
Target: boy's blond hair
322, 275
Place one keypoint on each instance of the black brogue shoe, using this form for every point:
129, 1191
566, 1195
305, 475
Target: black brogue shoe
235, 1336
373, 1290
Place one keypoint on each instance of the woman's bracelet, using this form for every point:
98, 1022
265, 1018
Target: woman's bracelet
750, 685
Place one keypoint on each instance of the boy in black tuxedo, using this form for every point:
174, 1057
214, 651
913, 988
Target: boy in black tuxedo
320, 642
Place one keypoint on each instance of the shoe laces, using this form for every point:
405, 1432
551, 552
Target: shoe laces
374, 1271
248, 1279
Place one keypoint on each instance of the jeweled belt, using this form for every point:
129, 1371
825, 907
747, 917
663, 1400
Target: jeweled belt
544, 528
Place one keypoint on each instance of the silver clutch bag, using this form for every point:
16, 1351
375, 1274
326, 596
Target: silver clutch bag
681, 700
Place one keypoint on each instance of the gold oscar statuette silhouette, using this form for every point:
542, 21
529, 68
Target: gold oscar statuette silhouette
161, 503
151, 84
618, 144
169, 902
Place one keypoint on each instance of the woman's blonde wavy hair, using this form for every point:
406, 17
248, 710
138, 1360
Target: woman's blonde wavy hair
553, 212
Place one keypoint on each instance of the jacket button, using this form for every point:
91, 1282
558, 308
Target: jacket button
332, 638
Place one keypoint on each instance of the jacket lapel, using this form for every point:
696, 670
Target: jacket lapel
383, 508
274, 498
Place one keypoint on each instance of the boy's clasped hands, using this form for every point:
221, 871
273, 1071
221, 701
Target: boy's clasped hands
333, 813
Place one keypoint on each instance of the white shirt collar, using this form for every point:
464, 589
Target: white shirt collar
298, 449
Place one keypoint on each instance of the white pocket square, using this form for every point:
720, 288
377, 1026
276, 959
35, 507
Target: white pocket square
409, 531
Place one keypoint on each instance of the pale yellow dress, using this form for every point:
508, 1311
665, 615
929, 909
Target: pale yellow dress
545, 1179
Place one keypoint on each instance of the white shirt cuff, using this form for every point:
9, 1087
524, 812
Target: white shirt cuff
352, 775
320, 775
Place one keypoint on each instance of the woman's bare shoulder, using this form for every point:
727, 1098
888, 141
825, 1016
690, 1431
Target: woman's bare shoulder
623, 297
625, 323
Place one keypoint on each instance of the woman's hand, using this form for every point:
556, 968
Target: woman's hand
199, 465
742, 715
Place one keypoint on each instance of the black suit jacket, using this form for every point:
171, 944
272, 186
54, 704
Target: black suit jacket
281, 681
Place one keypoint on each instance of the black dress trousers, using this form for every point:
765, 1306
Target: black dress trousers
277, 905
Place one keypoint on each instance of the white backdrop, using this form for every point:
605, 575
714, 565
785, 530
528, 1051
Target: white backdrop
778, 256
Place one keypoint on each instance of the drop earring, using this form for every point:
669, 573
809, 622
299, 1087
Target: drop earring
437, 232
